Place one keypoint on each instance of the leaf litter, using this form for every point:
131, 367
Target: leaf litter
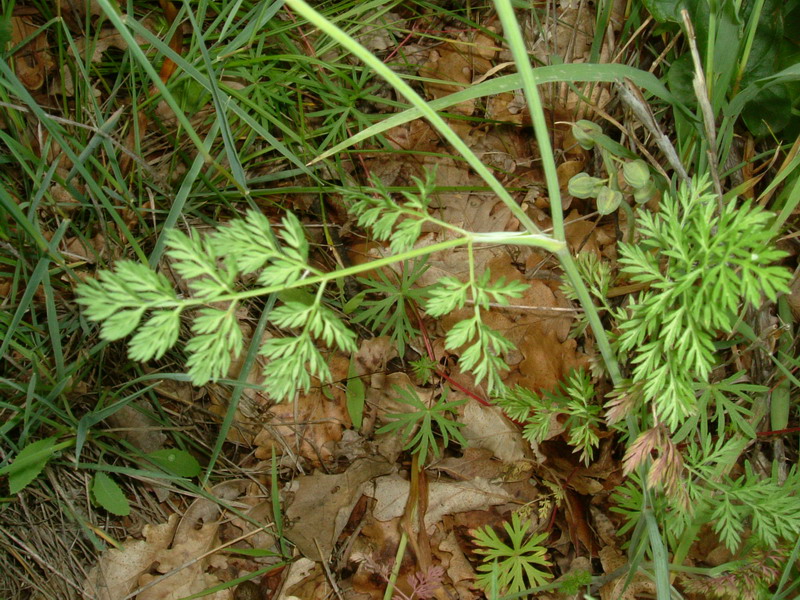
349, 490
498, 473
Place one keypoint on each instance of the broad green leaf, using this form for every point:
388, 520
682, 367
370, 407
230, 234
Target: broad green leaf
356, 395
177, 462
769, 112
791, 73
608, 200
664, 10
28, 464
108, 494
680, 76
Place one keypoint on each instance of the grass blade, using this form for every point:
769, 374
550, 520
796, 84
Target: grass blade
549, 74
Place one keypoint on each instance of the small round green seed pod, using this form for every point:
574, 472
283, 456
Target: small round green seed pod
585, 132
637, 174
643, 194
584, 185
608, 200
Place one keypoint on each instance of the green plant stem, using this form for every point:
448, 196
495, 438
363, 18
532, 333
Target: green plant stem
415, 99
752, 26
688, 537
780, 400
398, 559
660, 558
500, 238
512, 32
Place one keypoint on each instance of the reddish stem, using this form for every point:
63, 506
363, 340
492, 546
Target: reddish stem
429, 349
778, 431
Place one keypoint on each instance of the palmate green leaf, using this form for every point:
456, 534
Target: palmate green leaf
389, 315
518, 561
627, 500
710, 458
422, 418
722, 393
423, 368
